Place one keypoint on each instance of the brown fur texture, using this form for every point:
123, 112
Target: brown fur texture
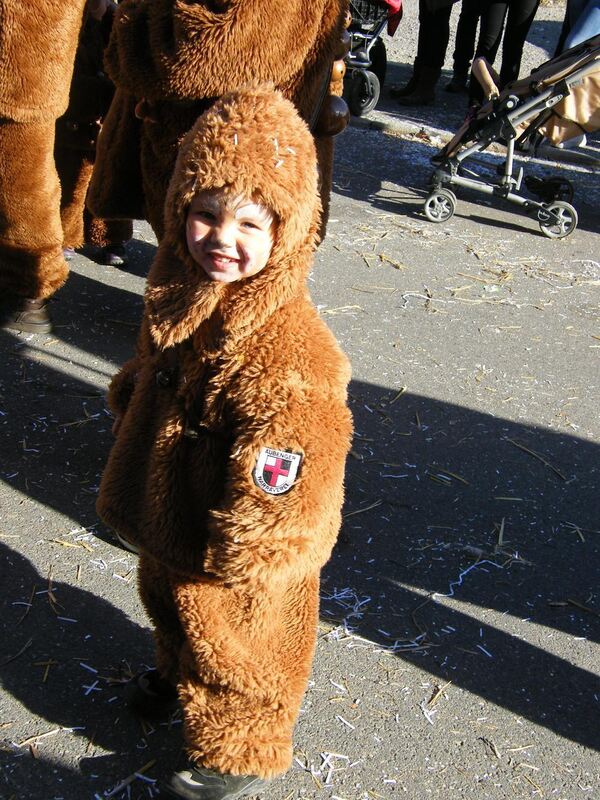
178, 57
31, 257
37, 44
76, 136
229, 573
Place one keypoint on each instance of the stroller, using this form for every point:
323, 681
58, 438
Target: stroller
556, 102
366, 61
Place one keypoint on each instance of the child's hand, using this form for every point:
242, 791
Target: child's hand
116, 425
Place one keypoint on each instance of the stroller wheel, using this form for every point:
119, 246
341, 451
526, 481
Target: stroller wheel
440, 205
557, 219
363, 93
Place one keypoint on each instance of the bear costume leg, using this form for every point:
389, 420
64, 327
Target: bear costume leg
74, 170
79, 225
157, 596
243, 664
31, 257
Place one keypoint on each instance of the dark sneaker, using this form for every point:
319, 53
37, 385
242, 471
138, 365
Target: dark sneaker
151, 696
27, 314
114, 255
199, 783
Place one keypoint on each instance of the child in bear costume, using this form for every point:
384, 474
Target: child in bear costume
170, 60
232, 430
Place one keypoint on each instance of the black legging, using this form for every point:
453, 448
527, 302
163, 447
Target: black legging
465, 36
434, 32
518, 21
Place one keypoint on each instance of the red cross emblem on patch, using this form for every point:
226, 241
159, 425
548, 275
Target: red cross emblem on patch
276, 470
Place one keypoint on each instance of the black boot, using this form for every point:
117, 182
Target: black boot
423, 93
458, 84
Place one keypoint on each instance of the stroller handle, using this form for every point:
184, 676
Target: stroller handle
486, 77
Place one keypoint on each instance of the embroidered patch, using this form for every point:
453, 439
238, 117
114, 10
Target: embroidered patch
276, 470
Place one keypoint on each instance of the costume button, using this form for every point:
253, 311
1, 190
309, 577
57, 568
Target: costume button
164, 378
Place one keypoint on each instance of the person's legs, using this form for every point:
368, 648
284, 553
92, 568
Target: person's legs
31, 260
156, 593
74, 171
32, 266
490, 32
243, 672
403, 90
521, 14
110, 235
434, 33
490, 35
465, 38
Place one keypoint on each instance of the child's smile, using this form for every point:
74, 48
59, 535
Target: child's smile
230, 238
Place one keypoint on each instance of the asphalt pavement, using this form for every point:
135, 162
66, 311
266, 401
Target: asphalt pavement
458, 640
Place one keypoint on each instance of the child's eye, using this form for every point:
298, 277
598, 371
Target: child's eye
249, 225
205, 215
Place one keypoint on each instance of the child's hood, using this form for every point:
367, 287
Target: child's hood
254, 143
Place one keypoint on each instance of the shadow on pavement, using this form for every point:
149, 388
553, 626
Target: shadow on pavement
392, 159
432, 490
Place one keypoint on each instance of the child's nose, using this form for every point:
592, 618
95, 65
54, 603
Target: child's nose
225, 232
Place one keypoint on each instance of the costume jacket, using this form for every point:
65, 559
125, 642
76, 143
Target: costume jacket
228, 466
170, 60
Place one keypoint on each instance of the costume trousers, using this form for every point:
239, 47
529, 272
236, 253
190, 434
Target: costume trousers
240, 659
79, 226
31, 258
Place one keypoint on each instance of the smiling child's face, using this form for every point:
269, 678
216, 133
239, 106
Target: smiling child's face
230, 238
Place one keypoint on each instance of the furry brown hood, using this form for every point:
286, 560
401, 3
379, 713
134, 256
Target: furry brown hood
254, 143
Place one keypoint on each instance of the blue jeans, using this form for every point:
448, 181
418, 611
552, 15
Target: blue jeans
585, 21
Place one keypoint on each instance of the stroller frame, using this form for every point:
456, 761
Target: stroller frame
557, 217
369, 18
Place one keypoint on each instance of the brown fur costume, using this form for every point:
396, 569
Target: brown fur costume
37, 49
229, 573
177, 57
76, 135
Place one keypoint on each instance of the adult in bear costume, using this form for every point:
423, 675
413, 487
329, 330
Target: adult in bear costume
226, 376
37, 51
75, 147
170, 60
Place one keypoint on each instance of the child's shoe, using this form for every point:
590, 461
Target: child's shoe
114, 255
199, 783
151, 696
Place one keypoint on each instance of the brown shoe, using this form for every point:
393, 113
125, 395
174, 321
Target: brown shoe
27, 314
